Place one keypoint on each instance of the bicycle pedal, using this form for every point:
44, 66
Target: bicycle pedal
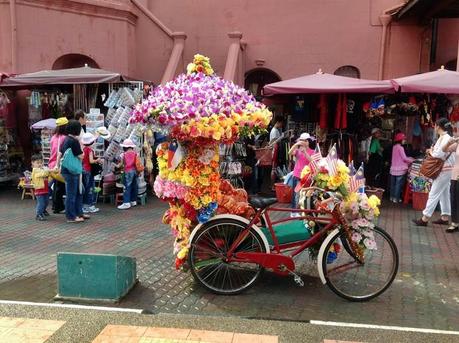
298, 280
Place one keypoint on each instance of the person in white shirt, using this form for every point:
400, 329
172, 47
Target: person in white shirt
440, 190
80, 116
276, 131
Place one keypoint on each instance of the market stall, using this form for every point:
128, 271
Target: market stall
99, 93
337, 110
439, 90
345, 112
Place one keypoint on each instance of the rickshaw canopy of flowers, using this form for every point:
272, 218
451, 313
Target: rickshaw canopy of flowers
198, 111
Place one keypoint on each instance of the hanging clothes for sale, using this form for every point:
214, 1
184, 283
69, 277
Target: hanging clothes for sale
341, 112
323, 111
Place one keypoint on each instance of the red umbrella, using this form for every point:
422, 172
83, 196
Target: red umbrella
439, 81
327, 83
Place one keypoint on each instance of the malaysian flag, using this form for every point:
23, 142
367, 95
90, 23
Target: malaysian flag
357, 180
175, 155
315, 158
332, 161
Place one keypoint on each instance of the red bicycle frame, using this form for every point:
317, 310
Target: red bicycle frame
283, 264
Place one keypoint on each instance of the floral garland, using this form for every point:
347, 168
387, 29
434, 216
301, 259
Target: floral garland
358, 209
198, 111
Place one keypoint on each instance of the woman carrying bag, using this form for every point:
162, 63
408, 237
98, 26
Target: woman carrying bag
440, 190
58, 183
71, 170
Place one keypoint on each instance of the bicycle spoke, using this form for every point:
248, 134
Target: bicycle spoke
208, 258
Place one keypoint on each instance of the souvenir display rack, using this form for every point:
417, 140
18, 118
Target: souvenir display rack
46, 135
120, 104
232, 157
94, 120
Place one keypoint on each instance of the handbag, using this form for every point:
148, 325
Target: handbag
71, 162
56, 175
431, 166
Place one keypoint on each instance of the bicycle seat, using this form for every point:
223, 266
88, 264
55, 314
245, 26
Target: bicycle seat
260, 202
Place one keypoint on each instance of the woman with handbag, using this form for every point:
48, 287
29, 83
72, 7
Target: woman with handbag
71, 170
58, 185
438, 165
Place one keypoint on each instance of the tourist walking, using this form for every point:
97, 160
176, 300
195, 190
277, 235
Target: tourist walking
398, 168
440, 190
71, 170
57, 140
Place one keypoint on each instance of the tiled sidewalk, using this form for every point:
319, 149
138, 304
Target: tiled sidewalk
424, 294
143, 334
24, 330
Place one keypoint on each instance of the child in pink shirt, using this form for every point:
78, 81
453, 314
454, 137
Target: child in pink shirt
398, 168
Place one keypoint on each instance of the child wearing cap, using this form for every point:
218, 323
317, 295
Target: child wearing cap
399, 168
40, 182
88, 140
302, 154
128, 161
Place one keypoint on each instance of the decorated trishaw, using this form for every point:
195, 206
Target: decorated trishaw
226, 239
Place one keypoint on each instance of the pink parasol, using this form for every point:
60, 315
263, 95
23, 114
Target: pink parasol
439, 81
327, 83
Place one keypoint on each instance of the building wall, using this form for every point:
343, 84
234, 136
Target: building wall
48, 30
294, 37
297, 37
448, 37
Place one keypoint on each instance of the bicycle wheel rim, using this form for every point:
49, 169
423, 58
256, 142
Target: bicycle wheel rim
355, 281
207, 258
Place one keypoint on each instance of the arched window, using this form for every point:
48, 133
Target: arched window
74, 61
349, 71
257, 78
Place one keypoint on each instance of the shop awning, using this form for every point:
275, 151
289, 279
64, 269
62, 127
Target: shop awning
439, 81
83, 75
4, 76
327, 83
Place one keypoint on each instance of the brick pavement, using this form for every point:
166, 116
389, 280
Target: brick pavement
424, 294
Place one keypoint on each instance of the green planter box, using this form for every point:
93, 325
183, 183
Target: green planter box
89, 277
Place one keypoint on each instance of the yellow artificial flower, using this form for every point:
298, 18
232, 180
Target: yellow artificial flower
182, 253
206, 200
374, 201
190, 68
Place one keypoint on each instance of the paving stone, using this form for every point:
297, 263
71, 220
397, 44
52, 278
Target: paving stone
425, 293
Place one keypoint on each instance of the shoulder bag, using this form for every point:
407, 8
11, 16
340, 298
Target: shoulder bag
71, 162
431, 166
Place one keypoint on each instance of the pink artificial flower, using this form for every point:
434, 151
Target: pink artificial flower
356, 237
370, 244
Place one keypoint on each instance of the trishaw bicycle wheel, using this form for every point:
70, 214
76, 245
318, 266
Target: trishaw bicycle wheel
357, 280
207, 257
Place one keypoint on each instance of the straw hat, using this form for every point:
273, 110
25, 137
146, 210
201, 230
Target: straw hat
103, 132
